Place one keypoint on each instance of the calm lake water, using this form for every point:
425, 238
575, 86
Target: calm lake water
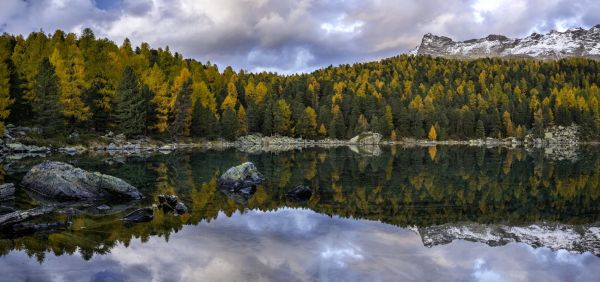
420, 214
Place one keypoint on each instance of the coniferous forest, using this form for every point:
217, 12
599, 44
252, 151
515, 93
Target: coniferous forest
63, 82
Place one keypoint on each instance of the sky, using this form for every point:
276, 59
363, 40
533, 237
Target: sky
291, 36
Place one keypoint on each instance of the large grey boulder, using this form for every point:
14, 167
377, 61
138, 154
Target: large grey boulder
366, 138
7, 191
63, 181
241, 177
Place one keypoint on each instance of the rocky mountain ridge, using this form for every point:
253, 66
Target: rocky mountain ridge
576, 42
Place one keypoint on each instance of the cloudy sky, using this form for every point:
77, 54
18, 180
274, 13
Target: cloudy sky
294, 35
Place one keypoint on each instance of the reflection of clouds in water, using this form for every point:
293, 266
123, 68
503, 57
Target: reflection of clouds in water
482, 274
289, 221
340, 256
300, 245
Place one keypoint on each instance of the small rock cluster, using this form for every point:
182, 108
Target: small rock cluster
172, 203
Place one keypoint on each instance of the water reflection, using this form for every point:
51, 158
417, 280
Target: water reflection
301, 245
435, 195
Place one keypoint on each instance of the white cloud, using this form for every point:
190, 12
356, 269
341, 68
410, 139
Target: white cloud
293, 36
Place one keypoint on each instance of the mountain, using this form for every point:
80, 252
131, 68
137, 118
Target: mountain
556, 236
577, 42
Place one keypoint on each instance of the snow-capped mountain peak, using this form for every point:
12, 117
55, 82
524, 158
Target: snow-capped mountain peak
575, 42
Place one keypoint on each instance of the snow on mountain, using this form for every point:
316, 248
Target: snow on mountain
577, 42
556, 236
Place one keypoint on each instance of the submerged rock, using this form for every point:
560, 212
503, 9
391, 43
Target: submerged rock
240, 177
139, 215
7, 191
300, 192
62, 181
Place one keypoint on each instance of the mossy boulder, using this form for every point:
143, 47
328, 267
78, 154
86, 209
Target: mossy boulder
61, 181
241, 177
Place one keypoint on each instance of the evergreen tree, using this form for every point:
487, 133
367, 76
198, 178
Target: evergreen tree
72, 83
5, 100
362, 124
181, 117
307, 125
281, 117
204, 122
432, 135
267, 126
229, 124
130, 108
45, 96
480, 130
242, 121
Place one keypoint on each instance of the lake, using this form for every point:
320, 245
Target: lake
393, 214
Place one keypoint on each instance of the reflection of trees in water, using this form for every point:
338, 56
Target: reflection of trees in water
404, 187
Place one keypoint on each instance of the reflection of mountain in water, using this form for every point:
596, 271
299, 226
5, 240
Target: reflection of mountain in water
575, 238
433, 189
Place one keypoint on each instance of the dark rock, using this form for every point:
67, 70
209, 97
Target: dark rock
170, 200
28, 228
242, 176
61, 181
140, 215
7, 191
20, 216
240, 196
180, 208
299, 192
5, 210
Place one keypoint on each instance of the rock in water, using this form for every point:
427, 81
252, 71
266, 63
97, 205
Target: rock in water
180, 208
240, 177
20, 216
7, 191
299, 192
366, 138
62, 181
170, 200
140, 215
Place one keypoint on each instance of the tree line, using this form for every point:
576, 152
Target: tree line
63, 82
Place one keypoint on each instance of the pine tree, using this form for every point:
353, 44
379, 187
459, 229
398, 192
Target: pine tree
508, 125
362, 124
389, 121
480, 130
281, 117
229, 124
72, 83
231, 98
181, 116
432, 135
242, 121
307, 125
267, 126
204, 122
130, 106
156, 81
322, 130
45, 95
5, 100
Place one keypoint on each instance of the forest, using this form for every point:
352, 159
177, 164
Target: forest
64, 83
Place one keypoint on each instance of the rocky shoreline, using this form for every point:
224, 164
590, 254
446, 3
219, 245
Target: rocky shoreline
553, 138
